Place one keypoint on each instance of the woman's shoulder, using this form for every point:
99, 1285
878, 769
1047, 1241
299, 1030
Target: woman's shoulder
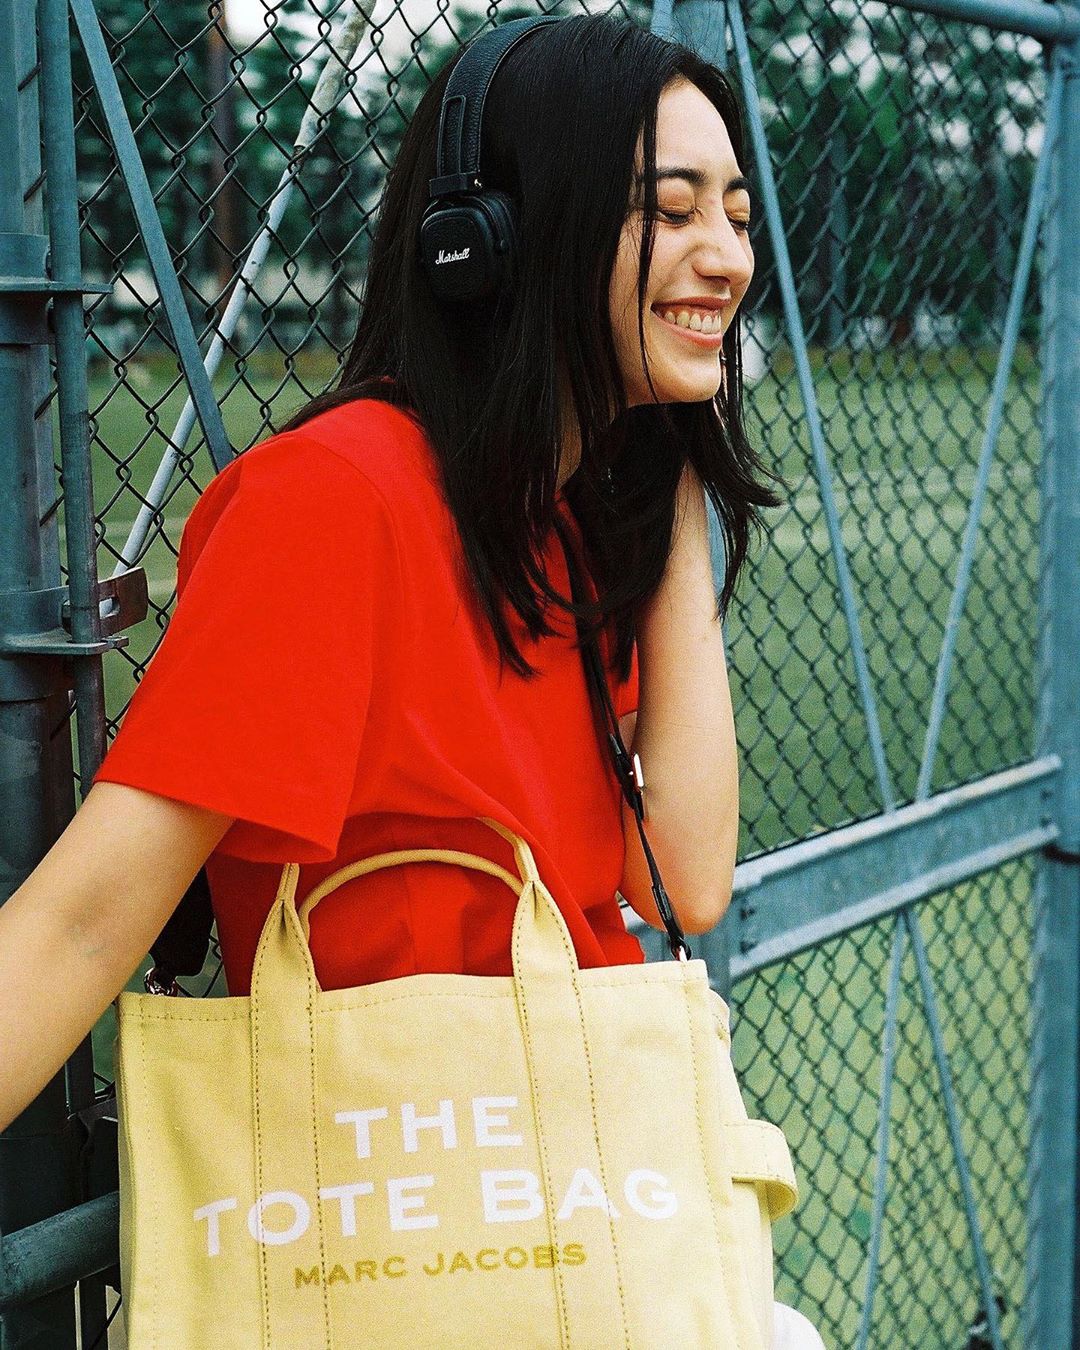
351, 473
384, 443
379, 443
366, 452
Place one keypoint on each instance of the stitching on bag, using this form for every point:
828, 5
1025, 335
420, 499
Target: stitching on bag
560, 1293
713, 1206
398, 998
219, 1010
765, 1130
572, 956
255, 1043
312, 1011
600, 1160
722, 1027
154, 1302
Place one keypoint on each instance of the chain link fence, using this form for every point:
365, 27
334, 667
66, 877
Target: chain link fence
902, 148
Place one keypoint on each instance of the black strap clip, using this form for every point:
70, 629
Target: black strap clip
631, 779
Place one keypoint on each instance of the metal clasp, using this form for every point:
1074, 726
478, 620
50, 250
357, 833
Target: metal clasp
161, 983
630, 775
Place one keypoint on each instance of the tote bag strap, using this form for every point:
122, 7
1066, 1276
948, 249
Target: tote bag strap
283, 977
526, 865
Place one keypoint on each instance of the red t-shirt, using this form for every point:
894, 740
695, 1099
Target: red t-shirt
325, 680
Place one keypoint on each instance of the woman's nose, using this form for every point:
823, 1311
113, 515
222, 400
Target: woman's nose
723, 254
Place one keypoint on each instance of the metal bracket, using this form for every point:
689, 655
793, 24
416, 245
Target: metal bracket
26, 287
23, 271
31, 625
38, 624
123, 601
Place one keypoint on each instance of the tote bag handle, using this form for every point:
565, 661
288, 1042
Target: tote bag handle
284, 972
526, 865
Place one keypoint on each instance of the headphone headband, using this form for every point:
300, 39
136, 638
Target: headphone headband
457, 156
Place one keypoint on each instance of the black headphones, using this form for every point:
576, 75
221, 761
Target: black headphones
468, 236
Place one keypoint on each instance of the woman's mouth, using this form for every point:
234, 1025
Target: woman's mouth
703, 338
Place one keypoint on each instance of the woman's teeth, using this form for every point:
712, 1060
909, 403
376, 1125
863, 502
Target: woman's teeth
708, 322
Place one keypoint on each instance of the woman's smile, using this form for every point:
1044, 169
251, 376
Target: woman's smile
711, 341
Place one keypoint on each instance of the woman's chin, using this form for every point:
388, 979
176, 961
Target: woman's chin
680, 386
682, 389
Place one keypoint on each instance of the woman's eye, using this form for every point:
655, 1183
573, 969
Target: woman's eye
685, 217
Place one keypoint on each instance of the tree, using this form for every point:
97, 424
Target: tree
157, 51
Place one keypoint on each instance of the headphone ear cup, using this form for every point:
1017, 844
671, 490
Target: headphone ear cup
468, 245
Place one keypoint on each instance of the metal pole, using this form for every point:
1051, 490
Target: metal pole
1051, 1312
65, 254
62, 192
37, 1162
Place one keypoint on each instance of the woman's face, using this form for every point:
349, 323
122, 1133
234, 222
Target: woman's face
702, 260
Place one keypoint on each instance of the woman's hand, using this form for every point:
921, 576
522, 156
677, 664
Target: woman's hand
76, 929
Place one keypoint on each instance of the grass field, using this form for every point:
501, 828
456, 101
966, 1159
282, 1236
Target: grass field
903, 439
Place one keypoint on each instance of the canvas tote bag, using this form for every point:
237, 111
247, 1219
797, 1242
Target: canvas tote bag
560, 1157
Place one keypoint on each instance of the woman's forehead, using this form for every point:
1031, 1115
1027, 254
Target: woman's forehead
692, 142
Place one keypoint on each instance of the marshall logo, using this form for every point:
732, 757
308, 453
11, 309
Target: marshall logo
459, 256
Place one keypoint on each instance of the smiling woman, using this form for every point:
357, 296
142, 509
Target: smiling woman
432, 478
414, 525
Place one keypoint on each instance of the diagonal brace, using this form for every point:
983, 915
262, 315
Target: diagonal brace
153, 236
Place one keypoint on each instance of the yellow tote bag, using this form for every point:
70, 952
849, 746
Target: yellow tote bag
560, 1158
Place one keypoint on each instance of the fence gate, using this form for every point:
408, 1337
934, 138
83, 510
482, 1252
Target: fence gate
186, 191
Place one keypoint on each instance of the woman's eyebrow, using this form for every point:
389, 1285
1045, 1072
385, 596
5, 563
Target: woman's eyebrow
698, 178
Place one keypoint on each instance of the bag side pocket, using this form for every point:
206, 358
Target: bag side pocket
763, 1179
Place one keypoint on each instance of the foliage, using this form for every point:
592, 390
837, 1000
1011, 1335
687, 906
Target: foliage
899, 154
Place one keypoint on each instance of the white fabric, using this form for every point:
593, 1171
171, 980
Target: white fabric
793, 1331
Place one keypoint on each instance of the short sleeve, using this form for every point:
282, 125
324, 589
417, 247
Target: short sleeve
256, 701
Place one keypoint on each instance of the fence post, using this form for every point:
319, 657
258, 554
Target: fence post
38, 1164
1052, 1314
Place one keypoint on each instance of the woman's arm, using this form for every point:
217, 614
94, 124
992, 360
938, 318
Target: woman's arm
78, 926
685, 736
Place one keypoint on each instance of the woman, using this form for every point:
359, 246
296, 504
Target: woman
372, 644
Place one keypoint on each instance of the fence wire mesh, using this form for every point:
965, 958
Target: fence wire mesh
903, 148
808, 1052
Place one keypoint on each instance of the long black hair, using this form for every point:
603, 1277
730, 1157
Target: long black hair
560, 132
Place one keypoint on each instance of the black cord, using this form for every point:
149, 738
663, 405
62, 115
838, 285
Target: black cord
608, 727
